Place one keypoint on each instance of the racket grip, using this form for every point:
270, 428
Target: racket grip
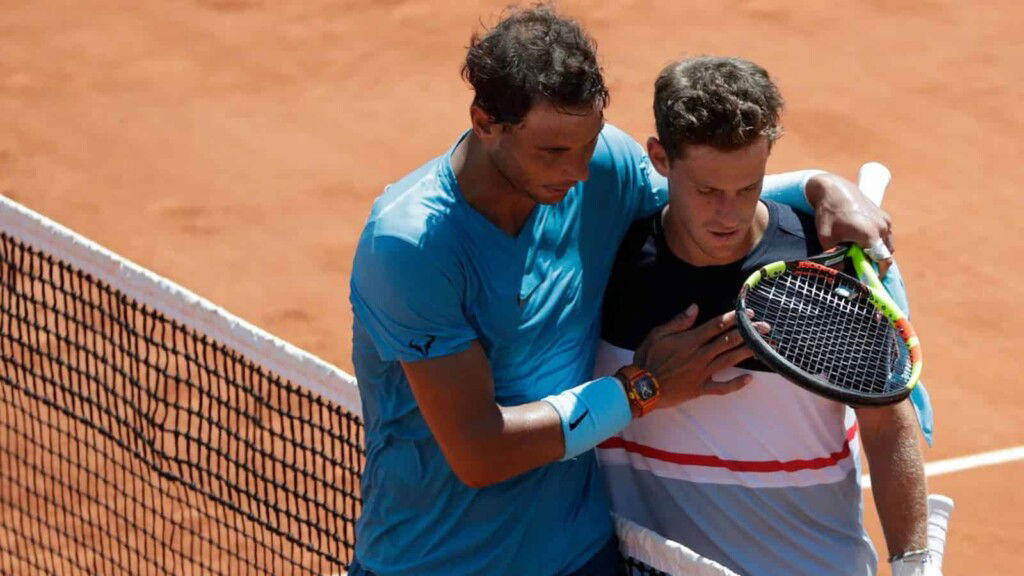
939, 509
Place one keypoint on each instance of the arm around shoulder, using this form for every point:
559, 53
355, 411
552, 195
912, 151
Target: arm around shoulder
845, 214
842, 212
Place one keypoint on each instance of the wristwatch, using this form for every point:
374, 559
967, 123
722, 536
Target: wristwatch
641, 388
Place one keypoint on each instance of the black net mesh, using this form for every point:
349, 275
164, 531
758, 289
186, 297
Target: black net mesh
130, 444
826, 325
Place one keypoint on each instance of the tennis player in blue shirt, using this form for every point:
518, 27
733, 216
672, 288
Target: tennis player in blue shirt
476, 290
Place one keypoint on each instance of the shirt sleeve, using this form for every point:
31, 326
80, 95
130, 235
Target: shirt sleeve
788, 188
410, 306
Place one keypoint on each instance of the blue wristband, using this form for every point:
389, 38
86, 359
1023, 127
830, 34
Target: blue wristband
591, 413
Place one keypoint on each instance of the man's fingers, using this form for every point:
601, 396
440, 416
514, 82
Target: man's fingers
716, 326
681, 322
729, 358
879, 253
883, 267
890, 243
824, 226
725, 342
715, 388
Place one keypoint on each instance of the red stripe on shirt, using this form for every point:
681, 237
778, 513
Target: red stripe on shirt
733, 465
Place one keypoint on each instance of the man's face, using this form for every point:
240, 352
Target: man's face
713, 200
549, 152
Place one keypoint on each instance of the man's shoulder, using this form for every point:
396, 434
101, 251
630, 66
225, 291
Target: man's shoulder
417, 208
411, 229
794, 235
616, 139
615, 150
791, 221
620, 168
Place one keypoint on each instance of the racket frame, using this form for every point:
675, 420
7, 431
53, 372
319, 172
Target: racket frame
828, 262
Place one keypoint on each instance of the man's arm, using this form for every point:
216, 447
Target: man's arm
486, 443
844, 214
483, 442
897, 475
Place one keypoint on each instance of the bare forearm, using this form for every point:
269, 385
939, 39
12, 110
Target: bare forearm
826, 187
897, 475
509, 442
586, 415
486, 443
844, 214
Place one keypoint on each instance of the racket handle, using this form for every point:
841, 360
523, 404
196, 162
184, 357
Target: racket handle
939, 509
873, 179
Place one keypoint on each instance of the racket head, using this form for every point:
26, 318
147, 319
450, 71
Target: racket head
830, 333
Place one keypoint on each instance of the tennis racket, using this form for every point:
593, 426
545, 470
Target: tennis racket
831, 333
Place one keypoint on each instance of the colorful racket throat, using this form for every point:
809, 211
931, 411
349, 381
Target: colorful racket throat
830, 333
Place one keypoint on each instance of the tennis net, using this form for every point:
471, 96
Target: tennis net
144, 430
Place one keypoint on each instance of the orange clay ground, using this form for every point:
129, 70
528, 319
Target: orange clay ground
235, 146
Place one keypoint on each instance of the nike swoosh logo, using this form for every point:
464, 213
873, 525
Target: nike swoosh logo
573, 425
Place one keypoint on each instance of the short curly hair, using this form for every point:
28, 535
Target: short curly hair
533, 54
725, 103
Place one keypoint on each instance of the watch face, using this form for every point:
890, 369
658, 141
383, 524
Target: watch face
645, 388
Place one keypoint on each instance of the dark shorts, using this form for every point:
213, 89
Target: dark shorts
607, 562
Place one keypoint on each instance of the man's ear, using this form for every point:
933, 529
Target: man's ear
484, 125
658, 155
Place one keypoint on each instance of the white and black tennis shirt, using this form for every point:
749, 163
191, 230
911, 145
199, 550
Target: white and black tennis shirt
765, 480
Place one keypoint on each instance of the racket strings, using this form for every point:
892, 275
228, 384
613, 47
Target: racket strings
828, 326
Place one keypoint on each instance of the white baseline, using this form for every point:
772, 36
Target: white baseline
951, 465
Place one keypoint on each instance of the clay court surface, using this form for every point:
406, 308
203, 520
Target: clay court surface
235, 146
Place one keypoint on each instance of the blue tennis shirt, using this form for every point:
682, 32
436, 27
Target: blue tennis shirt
431, 275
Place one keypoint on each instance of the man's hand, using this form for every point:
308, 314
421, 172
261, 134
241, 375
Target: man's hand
683, 359
844, 214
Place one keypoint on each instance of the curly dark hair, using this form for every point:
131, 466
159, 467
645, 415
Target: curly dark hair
532, 54
726, 103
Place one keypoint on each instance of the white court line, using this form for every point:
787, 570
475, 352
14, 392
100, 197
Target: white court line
941, 467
